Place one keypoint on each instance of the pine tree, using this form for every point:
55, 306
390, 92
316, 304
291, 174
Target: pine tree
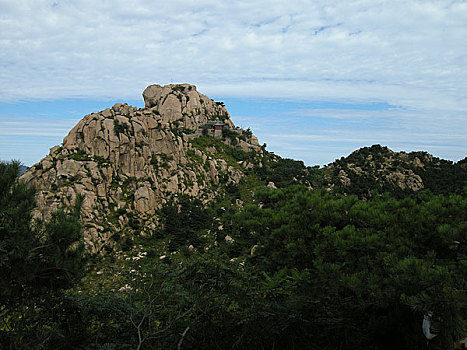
38, 259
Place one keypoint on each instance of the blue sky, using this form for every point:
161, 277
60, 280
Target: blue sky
314, 80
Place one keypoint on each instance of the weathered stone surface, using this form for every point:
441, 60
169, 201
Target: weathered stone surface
254, 141
344, 178
183, 103
409, 180
145, 199
68, 168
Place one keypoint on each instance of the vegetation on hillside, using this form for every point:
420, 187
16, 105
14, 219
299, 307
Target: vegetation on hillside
308, 263
300, 269
376, 168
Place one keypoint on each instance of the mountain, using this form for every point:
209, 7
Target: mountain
205, 240
128, 162
131, 163
380, 169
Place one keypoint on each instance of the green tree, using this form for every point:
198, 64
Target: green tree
37, 259
183, 220
374, 267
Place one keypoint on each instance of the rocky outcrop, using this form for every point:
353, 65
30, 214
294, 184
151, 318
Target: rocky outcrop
128, 162
378, 168
181, 102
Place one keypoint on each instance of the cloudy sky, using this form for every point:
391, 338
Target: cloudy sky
314, 80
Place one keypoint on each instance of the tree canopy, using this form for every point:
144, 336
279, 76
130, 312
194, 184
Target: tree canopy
38, 259
300, 269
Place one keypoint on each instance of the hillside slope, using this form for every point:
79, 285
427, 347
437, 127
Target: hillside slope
380, 169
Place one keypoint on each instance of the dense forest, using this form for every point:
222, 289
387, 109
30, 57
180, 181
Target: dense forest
300, 265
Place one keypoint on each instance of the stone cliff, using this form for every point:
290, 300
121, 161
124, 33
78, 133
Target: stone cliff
128, 162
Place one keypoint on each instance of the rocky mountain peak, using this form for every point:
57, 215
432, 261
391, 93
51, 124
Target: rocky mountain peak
128, 162
181, 102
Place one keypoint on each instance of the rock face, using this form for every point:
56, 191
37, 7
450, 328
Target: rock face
183, 103
128, 162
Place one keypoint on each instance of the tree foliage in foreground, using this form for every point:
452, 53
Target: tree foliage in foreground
306, 270
37, 261
303, 270
375, 267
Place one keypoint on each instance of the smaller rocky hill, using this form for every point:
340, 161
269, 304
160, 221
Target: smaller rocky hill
128, 162
380, 169
369, 170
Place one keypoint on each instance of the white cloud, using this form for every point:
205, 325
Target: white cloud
30, 138
318, 136
408, 53
358, 49
34, 126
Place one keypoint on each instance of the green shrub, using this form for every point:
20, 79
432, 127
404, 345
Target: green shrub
121, 128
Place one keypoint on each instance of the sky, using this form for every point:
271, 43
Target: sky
314, 80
